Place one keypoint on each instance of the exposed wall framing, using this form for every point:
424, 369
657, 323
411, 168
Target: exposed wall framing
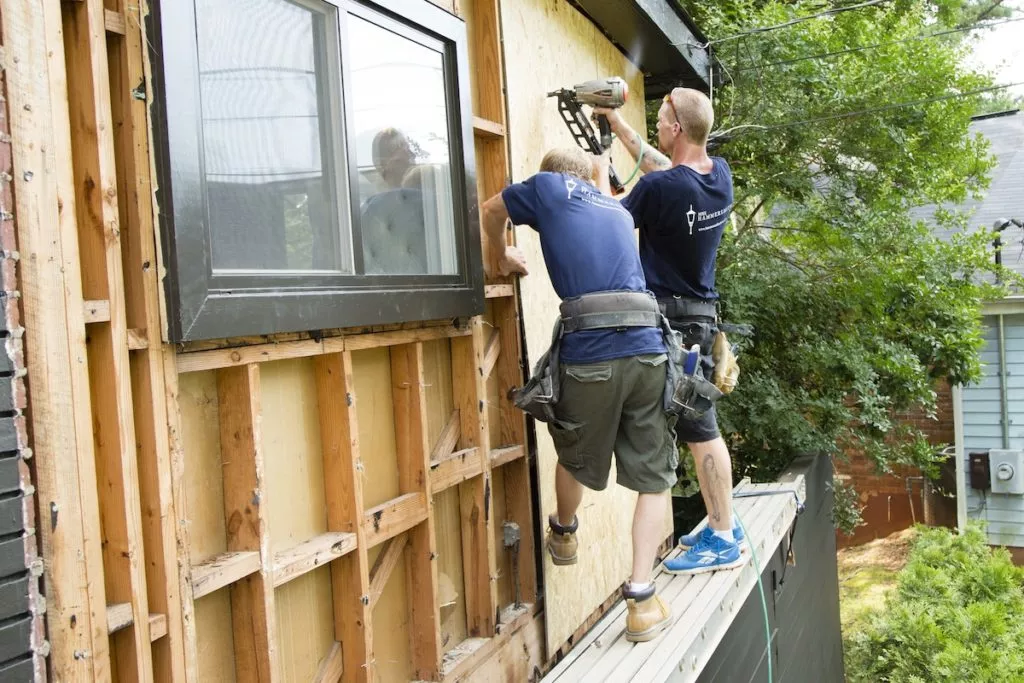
275, 509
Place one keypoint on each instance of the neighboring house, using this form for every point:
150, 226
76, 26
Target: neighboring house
989, 414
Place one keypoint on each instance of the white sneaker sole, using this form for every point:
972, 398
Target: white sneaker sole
738, 562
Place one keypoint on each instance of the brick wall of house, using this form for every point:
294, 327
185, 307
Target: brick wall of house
888, 505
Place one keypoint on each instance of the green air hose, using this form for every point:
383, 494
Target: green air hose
760, 588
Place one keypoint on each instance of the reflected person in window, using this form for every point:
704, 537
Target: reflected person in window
393, 226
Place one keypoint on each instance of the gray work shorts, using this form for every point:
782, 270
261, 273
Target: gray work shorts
698, 330
616, 406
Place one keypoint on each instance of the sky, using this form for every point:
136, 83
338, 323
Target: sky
1001, 49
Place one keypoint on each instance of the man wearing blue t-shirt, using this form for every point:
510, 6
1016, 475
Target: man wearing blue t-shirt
681, 207
611, 374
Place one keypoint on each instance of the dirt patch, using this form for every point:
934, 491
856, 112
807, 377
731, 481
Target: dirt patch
867, 574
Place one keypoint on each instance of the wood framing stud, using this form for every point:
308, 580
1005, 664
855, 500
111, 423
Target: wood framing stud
391, 518
305, 557
386, 562
343, 491
447, 440
157, 626
332, 666
137, 339
119, 616
491, 352
223, 570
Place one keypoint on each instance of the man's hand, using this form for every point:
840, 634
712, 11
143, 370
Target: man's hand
512, 262
613, 116
600, 163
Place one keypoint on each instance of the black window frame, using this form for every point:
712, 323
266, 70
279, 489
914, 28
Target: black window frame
202, 305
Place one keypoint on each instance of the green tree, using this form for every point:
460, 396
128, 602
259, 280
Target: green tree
836, 128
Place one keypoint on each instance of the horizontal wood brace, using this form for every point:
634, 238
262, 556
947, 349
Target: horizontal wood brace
497, 291
119, 616
391, 518
223, 570
138, 339
505, 455
485, 128
454, 469
293, 562
97, 311
491, 352
196, 361
114, 22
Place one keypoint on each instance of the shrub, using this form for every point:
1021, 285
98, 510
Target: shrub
957, 615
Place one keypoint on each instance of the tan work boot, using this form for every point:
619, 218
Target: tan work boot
561, 542
646, 614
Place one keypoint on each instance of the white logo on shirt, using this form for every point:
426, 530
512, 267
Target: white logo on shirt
691, 215
570, 185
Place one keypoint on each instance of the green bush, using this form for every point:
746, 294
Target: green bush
957, 615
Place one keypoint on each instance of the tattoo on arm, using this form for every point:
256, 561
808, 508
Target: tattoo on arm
712, 477
653, 160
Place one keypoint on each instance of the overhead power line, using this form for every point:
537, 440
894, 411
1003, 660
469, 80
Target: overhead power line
785, 24
862, 112
861, 48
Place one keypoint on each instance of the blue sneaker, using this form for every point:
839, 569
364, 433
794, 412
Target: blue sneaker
690, 540
710, 554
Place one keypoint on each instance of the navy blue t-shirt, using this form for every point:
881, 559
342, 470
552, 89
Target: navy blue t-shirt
681, 215
588, 244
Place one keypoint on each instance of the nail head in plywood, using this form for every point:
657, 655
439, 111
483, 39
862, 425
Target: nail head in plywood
223, 570
305, 557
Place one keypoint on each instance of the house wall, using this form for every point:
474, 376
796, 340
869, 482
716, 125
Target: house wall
231, 510
897, 500
564, 48
982, 427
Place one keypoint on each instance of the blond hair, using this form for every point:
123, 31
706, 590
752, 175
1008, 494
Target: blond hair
695, 113
571, 160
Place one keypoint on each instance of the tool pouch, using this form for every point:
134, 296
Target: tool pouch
689, 395
539, 395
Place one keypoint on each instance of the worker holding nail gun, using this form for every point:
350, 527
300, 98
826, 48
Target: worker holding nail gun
681, 207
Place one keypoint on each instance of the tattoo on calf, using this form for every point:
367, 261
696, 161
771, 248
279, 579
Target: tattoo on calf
712, 478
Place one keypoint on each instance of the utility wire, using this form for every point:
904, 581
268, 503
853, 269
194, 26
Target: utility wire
785, 24
872, 110
872, 46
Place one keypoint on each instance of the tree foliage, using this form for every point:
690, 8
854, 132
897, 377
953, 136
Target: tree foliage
857, 308
955, 616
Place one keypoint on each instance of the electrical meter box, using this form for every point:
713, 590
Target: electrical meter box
1007, 471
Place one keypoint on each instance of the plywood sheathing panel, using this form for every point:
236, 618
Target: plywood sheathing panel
377, 453
451, 588
392, 655
214, 645
565, 48
292, 453
305, 621
203, 478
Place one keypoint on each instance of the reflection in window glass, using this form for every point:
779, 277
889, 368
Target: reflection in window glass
269, 152
401, 143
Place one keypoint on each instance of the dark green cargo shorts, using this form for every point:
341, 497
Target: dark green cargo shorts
616, 405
